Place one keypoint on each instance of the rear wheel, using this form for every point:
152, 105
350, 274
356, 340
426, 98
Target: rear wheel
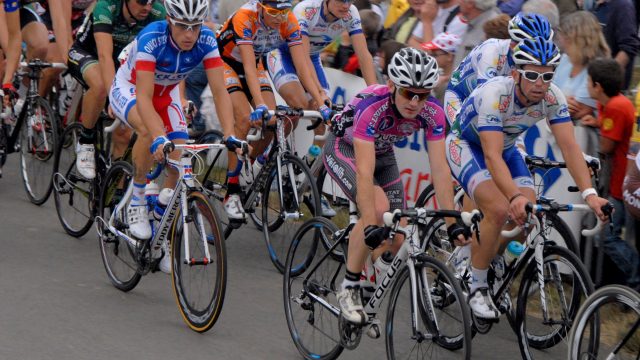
38, 143
118, 255
73, 194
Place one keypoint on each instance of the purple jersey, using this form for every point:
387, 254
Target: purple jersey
371, 116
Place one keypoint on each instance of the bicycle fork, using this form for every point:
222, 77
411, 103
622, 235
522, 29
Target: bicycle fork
294, 189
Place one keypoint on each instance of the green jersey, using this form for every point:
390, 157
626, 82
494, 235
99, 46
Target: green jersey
107, 17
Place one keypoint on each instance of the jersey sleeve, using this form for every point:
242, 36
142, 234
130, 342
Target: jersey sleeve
435, 122
145, 57
355, 23
304, 14
485, 62
11, 5
212, 55
364, 121
291, 31
103, 16
243, 27
490, 105
556, 106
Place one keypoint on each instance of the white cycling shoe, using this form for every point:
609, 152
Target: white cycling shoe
233, 207
85, 160
351, 305
482, 306
138, 220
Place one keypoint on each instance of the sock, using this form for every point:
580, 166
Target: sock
137, 198
87, 136
351, 280
478, 279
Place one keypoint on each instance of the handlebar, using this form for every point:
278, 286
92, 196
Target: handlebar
544, 163
284, 111
468, 218
169, 147
113, 126
37, 63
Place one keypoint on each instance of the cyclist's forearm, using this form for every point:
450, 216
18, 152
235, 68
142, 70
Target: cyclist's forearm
250, 66
576, 165
60, 24
364, 59
12, 52
222, 100
304, 73
108, 71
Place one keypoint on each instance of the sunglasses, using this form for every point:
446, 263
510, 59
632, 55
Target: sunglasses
185, 26
275, 12
411, 95
145, 2
533, 76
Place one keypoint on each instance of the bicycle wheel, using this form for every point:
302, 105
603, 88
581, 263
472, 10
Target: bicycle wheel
558, 231
198, 284
117, 254
4, 130
212, 172
286, 205
606, 326
310, 286
38, 143
73, 194
444, 319
331, 193
566, 286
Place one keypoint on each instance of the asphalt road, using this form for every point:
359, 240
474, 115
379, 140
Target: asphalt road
56, 301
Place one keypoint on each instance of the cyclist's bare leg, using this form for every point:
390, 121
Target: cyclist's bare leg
358, 250
94, 98
36, 36
120, 141
50, 76
260, 145
142, 159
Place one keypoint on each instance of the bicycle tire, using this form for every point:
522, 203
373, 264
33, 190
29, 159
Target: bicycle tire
331, 192
114, 185
3, 142
450, 295
73, 194
36, 165
277, 227
582, 286
214, 174
199, 316
304, 314
593, 307
553, 221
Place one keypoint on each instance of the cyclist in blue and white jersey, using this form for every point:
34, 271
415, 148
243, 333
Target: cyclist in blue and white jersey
484, 159
146, 96
490, 59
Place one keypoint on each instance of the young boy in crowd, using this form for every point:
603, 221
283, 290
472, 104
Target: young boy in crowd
443, 48
616, 119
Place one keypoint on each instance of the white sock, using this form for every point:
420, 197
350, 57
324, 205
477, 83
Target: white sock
137, 198
478, 279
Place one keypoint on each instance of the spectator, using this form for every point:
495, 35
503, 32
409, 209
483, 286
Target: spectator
395, 9
476, 12
510, 7
621, 31
566, 7
227, 7
617, 119
545, 8
386, 51
439, 16
370, 25
580, 38
631, 184
497, 28
401, 30
443, 49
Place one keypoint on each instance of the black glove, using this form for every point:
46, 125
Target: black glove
374, 235
455, 229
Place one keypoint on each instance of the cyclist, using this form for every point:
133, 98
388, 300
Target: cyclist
491, 58
257, 28
359, 155
161, 56
484, 159
93, 62
12, 50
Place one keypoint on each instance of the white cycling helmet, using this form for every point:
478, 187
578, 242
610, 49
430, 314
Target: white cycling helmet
187, 10
413, 68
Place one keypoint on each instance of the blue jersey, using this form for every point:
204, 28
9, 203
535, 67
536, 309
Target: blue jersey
154, 50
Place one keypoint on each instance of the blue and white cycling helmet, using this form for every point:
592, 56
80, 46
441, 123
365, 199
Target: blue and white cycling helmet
413, 68
187, 10
527, 26
536, 51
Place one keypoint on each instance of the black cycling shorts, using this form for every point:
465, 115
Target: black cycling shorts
78, 61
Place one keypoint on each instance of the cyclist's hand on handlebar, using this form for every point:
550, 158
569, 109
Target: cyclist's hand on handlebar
596, 203
459, 234
157, 147
326, 112
374, 235
259, 113
240, 147
517, 211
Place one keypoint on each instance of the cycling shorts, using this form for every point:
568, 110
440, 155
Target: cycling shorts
34, 12
234, 78
282, 70
340, 161
466, 161
452, 104
122, 98
78, 62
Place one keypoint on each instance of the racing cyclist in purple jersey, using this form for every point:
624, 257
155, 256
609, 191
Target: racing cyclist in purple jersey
162, 55
358, 155
482, 153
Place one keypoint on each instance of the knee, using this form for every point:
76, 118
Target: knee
496, 214
38, 49
381, 205
243, 125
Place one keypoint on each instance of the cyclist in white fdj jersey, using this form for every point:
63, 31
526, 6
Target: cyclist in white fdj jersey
483, 158
145, 93
359, 156
490, 59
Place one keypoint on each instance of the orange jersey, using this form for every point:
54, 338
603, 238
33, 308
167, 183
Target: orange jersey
246, 27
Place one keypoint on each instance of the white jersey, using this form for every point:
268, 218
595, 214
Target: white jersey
313, 24
495, 107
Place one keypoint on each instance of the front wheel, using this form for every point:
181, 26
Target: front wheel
544, 318
443, 329
199, 281
38, 143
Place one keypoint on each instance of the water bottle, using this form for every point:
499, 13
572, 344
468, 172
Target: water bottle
314, 152
382, 265
163, 199
151, 195
513, 251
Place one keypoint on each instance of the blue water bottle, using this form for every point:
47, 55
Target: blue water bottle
513, 252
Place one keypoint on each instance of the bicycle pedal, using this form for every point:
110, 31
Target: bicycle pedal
374, 331
120, 225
